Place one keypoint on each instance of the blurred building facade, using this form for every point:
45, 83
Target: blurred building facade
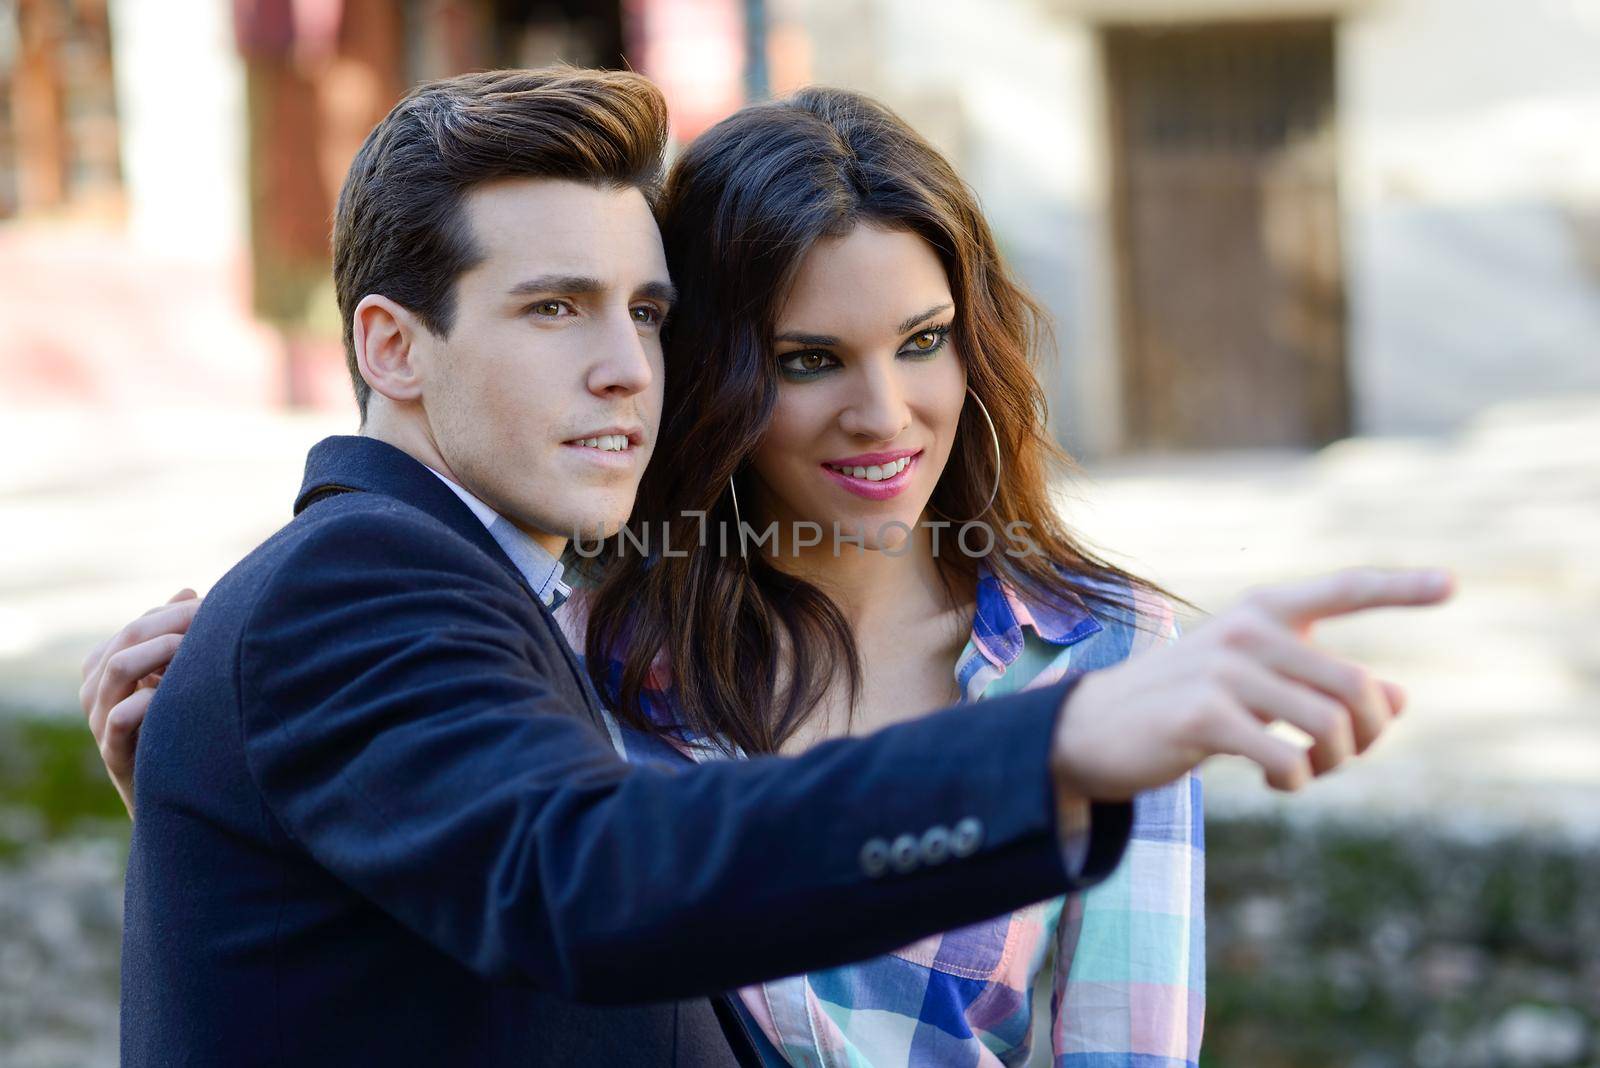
1255, 222
168, 170
1269, 222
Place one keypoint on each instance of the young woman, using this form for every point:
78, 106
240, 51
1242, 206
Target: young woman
851, 356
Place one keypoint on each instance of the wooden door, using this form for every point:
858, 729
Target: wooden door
1226, 221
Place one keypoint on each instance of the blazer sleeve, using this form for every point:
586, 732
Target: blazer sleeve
400, 726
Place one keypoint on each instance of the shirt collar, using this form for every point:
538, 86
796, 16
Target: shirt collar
538, 566
1002, 613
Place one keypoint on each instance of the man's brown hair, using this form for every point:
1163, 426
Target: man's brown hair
400, 228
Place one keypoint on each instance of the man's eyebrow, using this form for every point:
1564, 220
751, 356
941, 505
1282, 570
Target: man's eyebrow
665, 292
584, 285
922, 317
557, 283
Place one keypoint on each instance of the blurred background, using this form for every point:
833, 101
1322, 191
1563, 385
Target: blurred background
1326, 283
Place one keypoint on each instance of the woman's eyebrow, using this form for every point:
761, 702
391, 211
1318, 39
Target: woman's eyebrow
904, 328
808, 339
922, 317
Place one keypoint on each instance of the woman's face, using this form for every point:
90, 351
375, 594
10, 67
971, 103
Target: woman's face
870, 389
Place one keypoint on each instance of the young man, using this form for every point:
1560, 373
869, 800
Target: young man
379, 820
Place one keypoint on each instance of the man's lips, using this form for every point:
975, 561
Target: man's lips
615, 447
633, 434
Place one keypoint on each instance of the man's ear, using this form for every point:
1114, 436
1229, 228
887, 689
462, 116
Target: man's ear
384, 333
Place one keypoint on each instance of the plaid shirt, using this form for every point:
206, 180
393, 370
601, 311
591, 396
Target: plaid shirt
1126, 958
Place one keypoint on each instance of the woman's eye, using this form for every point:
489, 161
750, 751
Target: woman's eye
928, 342
646, 314
806, 363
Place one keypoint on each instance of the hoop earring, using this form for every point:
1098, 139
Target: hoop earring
994, 436
737, 518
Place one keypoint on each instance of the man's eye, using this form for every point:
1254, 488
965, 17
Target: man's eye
548, 309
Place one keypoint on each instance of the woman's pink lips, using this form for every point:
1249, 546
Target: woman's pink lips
875, 491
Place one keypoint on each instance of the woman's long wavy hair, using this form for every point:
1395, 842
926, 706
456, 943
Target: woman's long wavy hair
751, 650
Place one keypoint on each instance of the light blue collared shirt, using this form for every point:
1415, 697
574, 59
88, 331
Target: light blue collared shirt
542, 570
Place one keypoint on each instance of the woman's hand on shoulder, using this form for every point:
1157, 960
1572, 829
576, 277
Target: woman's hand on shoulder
1146, 721
120, 676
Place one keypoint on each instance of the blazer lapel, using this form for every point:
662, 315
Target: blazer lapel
353, 464
348, 463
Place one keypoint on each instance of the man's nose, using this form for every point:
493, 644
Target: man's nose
623, 363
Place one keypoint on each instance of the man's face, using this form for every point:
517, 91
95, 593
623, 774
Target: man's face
545, 397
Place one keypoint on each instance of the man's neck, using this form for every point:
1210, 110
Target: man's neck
418, 444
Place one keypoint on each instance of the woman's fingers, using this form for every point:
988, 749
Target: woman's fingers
1299, 604
91, 663
1234, 730
1370, 704
105, 683
185, 594
174, 616
119, 679
1395, 695
1271, 696
121, 741
122, 732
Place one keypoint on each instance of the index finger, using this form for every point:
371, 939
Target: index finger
185, 594
97, 654
1355, 590
173, 617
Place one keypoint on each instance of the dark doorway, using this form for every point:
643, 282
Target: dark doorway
1226, 220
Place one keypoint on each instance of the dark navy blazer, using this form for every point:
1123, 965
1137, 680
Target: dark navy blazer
379, 822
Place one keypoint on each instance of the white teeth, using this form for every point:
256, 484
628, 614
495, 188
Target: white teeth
606, 442
875, 473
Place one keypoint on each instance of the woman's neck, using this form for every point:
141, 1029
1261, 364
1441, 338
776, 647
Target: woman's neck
874, 588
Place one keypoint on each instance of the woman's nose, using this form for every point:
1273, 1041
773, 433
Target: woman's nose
879, 412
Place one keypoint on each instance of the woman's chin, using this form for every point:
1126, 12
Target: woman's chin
875, 530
